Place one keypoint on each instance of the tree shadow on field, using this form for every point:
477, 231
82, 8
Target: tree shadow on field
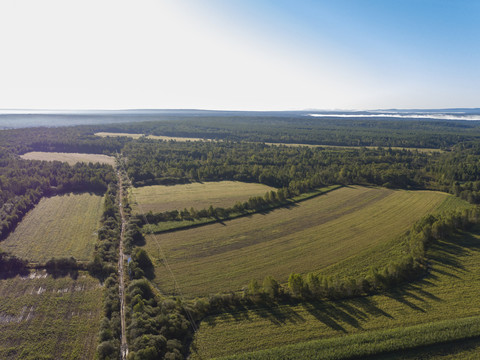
447, 253
369, 307
413, 294
335, 314
280, 315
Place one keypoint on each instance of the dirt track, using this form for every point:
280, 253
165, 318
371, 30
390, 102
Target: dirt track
121, 271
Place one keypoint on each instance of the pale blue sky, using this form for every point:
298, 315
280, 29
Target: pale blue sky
220, 54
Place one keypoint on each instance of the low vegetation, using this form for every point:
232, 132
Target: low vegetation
59, 226
46, 318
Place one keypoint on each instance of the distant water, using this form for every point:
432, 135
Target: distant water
404, 115
15, 119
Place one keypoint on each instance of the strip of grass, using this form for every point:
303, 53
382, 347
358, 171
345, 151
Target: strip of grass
305, 237
448, 293
47, 318
60, 226
71, 158
374, 342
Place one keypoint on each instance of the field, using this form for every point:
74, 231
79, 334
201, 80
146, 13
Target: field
442, 306
46, 318
71, 158
312, 235
159, 198
155, 137
59, 226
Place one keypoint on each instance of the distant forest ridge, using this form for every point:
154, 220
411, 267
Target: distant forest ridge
15, 119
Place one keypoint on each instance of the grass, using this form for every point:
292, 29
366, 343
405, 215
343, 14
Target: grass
71, 158
308, 236
60, 226
160, 198
46, 318
442, 307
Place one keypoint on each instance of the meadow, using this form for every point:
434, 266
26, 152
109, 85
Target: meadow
440, 308
307, 236
46, 318
71, 158
160, 198
59, 226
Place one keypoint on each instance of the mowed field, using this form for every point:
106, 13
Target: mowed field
71, 158
312, 235
46, 318
159, 198
155, 137
60, 226
443, 307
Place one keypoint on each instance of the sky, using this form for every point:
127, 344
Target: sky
239, 55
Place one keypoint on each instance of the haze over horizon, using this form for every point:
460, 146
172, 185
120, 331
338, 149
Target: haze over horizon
249, 55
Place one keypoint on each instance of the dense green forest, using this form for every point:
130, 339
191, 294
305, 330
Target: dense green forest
311, 130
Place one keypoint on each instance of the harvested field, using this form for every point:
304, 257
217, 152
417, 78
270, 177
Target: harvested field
71, 158
309, 236
60, 226
159, 198
46, 318
110, 134
154, 137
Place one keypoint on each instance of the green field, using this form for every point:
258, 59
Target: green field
60, 226
46, 318
308, 236
159, 198
71, 158
446, 299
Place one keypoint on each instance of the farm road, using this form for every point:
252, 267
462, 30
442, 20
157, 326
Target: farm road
121, 271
